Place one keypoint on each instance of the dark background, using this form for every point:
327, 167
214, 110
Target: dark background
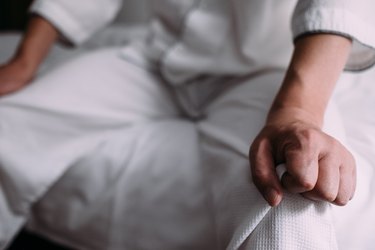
13, 14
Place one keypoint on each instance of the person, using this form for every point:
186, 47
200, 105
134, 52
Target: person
201, 60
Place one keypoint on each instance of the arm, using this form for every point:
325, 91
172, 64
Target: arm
38, 39
318, 166
75, 20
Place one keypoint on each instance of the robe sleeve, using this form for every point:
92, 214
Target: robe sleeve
77, 20
354, 19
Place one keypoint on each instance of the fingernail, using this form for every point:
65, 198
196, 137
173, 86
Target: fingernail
272, 197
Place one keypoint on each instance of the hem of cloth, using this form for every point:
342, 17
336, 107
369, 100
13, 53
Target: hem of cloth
339, 22
64, 22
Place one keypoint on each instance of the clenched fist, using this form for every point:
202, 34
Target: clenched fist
318, 166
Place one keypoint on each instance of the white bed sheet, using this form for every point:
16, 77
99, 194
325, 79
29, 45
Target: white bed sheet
355, 96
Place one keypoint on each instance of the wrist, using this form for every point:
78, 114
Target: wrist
26, 66
317, 62
283, 115
300, 96
294, 106
35, 45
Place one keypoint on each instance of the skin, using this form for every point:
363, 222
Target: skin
318, 166
35, 45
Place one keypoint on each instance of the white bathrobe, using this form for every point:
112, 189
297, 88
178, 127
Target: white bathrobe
193, 49
194, 37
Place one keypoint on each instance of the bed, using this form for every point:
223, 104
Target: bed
74, 213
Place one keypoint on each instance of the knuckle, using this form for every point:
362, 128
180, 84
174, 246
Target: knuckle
256, 146
306, 183
341, 201
351, 160
335, 145
258, 143
259, 175
308, 136
326, 195
291, 153
305, 141
329, 191
326, 192
254, 149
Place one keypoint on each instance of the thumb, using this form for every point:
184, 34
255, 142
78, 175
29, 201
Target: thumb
264, 173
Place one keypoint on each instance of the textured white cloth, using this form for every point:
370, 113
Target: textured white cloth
78, 117
77, 21
296, 223
66, 116
191, 38
135, 172
351, 18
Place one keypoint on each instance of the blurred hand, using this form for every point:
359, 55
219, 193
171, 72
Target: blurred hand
14, 76
39, 37
318, 166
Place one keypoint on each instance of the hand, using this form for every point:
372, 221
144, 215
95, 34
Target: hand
318, 166
36, 42
14, 76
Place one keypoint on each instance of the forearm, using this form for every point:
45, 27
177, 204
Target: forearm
316, 65
318, 166
36, 43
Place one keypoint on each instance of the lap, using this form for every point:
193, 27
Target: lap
233, 121
75, 110
98, 85
65, 115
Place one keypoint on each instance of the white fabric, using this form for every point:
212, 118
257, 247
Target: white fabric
255, 224
137, 171
280, 170
191, 38
355, 223
61, 123
258, 230
351, 18
84, 122
355, 92
78, 20
12, 221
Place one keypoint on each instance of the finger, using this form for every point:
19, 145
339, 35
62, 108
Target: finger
347, 183
327, 185
264, 172
354, 183
302, 170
